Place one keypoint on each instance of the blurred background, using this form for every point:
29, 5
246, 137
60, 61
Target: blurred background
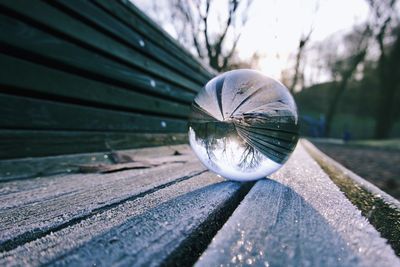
339, 58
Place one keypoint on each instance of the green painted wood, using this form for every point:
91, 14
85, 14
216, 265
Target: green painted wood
59, 21
30, 143
28, 113
76, 78
139, 22
25, 76
73, 58
121, 33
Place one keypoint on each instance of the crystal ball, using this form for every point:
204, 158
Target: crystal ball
243, 125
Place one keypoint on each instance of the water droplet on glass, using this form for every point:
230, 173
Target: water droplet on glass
243, 125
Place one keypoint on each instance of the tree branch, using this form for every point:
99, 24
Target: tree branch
205, 30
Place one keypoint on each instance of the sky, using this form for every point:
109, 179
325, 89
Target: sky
274, 27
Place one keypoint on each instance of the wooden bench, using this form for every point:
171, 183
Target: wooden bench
85, 85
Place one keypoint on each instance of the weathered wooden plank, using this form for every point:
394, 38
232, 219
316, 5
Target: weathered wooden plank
56, 244
96, 16
139, 22
109, 157
28, 113
16, 194
24, 76
62, 205
53, 18
300, 218
18, 143
44, 166
38, 167
45, 48
170, 233
381, 209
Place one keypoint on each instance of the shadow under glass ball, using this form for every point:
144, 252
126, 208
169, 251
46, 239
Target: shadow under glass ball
243, 125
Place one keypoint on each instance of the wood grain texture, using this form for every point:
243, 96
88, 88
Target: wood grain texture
17, 195
154, 237
18, 143
53, 18
29, 113
300, 218
55, 245
46, 211
49, 185
47, 49
118, 31
133, 18
381, 209
22, 77
80, 77
14, 169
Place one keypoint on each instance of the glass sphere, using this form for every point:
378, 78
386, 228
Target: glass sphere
243, 125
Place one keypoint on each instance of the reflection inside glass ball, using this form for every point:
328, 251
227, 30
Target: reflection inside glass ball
243, 125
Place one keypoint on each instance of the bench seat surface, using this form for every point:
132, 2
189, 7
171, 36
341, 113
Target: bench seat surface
171, 210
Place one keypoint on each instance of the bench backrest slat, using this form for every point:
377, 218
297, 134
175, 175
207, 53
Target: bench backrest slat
89, 66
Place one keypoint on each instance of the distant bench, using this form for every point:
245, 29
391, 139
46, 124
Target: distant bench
85, 85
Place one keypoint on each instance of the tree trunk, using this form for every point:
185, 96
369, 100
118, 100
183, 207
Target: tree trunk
389, 81
346, 76
384, 120
333, 105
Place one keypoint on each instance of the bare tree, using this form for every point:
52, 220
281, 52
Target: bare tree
383, 15
191, 19
343, 68
303, 41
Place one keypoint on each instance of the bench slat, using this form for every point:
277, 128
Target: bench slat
133, 18
22, 77
53, 18
29, 113
72, 62
162, 235
18, 143
53, 246
34, 192
12, 192
18, 194
14, 169
73, 58
381, 209
120, 32
298, 219
78, 200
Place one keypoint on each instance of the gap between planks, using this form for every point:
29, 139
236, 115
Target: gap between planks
193, 210
34, 208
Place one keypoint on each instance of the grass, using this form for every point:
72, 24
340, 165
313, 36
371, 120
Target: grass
386, 144
358, 126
